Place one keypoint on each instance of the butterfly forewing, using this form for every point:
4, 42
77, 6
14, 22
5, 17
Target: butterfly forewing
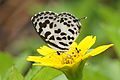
58, 30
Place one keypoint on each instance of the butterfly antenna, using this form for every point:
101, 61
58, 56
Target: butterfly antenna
82, 18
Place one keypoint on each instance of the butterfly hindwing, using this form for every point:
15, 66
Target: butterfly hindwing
58, 30
69, 29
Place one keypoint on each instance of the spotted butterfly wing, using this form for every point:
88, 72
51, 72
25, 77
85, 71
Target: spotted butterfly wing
57, 30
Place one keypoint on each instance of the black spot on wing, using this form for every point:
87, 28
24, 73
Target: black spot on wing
33, 19
58, 38
45, 17
50, 17
69, 14
76, 33
65, 18
35, 24
55, 25
73, 16
64, 13
36, 16
42, 24
47, 21
70, 30
65, 23
41, 13
57, 31
58, 20
62, 34
47, 12
78, 26
41, 17
38, 19
47, 34
40, 30
70, 38
42, 37
64, 38
64, 44
55, 18
68, 25
61, 20
70, 42
75, 20
56, 46
51, 25
52, 38
52, 13
70, 17
69, 21
75, 29
72, 25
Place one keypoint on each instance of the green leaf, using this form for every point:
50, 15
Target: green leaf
46, 73
6, 62
61, 77
21, 63
15, 75
31, 73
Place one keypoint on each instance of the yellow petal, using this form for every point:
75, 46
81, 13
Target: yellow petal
74, 44
86, 43
46, 61
100, 49
34, 58
97, 51
45, 50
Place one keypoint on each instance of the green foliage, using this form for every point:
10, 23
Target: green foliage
112, 25
32, 72
103, 21
61, 77
15, 75
102, 70
20, 62
6, 62
46, 74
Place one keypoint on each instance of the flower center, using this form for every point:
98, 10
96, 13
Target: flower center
68, 59
71, 56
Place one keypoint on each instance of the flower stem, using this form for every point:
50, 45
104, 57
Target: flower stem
75, 72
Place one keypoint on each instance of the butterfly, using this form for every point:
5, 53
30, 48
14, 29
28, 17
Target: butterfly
57, 30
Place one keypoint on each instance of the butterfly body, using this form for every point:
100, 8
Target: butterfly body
57, 30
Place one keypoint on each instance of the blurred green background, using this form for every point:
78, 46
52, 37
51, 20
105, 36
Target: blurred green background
18, 38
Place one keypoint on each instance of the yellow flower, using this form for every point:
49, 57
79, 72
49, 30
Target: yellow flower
76, 54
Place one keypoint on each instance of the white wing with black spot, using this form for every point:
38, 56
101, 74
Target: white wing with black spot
57, 30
